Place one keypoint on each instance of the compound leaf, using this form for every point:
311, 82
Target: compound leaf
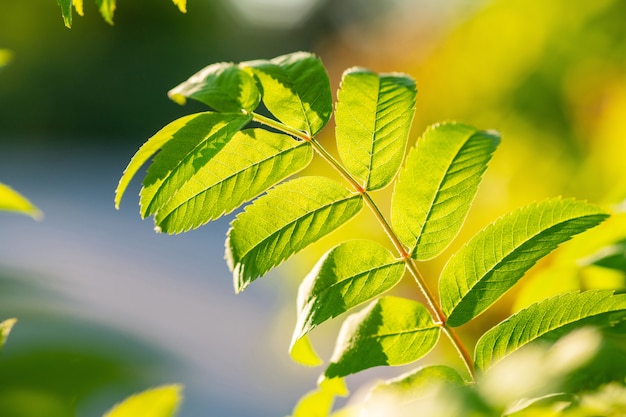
499, 255
286, 220
390, 331
223, 86
547, 319
436, 187
11, 200
184, 152
250, 163
374, 114
296, 90
157, 402
348, 275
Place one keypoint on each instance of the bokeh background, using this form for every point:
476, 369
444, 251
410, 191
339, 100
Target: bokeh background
106, 307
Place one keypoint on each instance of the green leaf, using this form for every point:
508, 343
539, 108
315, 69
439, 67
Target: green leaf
181, 4
11, 200
224, 87
412, 383
436, 187
66, 11
550, 318
611, 257
197, 140
348, 275
199, 135
6, 56
286, 220
296, 90
107, 9
499, 255
390, 331
546, 403
157, 402
5, 328
319, 402
253, 161
373, 116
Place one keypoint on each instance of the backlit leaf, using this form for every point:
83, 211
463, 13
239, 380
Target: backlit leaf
296, 90
78, 6
550, 318
191, 135
224, 87
499, 255
187, 146
414, 382
5, 328
348, 275
66, 11
437, 185
6, 56
181, 4
319, 402
373, 116
157, 402
611, 257
11, 200
290, 217
107, 9
250, 163
390, 331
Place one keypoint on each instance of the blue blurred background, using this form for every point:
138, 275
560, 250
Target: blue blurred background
107, 307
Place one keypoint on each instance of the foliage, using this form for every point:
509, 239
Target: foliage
156, 402
208, 164
106, 8
11, 200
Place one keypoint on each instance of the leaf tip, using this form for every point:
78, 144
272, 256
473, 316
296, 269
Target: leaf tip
177, 98
303, 353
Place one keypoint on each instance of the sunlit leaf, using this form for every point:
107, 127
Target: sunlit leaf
550, 318
499, 255
290, 217
612, 257
223, 86
200, 134
414, 382
390, 331
157, 402
296, 90
303, 352
348, 275
319, 402
66, 11
373, 116
5, 329
436, 187
250, 163
187, 145
11, 200
78, 6
535, 406
181, 4
107, 9
6, 56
